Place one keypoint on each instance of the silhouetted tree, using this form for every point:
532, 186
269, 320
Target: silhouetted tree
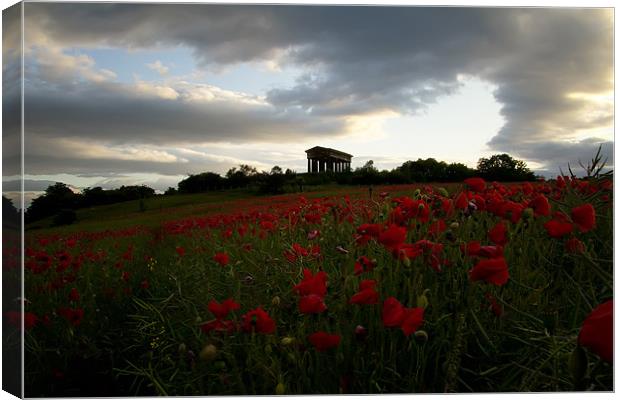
56, 197
502, 167
204, 182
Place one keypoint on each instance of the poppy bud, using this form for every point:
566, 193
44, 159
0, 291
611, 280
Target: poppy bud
406, 261
220, 365
280, 389
198, 319
208, 353
454, 225
422, 300
528, 213
275, 301
578, 364
182, 348
360, 332
421, 336
267, 349
287, 341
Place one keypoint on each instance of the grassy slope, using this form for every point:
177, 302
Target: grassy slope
167, 208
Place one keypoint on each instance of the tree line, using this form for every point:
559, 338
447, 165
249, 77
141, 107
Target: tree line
60, 201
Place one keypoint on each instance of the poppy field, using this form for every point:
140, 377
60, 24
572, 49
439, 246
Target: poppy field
485, 287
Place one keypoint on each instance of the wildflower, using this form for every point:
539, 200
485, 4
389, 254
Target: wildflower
221, 258
219, 325
312, 284
494, 271
575, 246
180, 251
311, 304
597, 331
364, 264
475, 184
259, 321
498, 235
540, 205
74, 295
494, 306
323, 341
221, 310
584, 217
392, 237
558, 226
15, 317
414, 317
367, 293
393, 312
73, 315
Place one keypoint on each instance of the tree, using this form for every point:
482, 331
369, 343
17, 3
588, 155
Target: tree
502, 167
201, 183
56, 197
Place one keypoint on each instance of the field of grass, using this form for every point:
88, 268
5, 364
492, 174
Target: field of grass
484, 287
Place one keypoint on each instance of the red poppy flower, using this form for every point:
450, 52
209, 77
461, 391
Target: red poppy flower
15, 319
498, 234
259, 321
393, 236
222, 326
364, 264
597, 331
491, 251
476, 184
145, 284
414, 317
221, 310
408, 251
494, 270
393, 312
372, 230
311, 304
461, 201
556, 228
323, 341
180, 251
575, 246
437, 227
221, 258
540, 205
367, 293
74, 295
494, 306
584, 217
471, 248
73, 315
312, 284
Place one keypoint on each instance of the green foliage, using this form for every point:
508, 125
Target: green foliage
56, 197
207, 181
504, 168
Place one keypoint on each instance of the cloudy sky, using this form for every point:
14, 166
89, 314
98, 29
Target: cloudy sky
147, 93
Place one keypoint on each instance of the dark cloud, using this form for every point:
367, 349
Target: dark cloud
359, 60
